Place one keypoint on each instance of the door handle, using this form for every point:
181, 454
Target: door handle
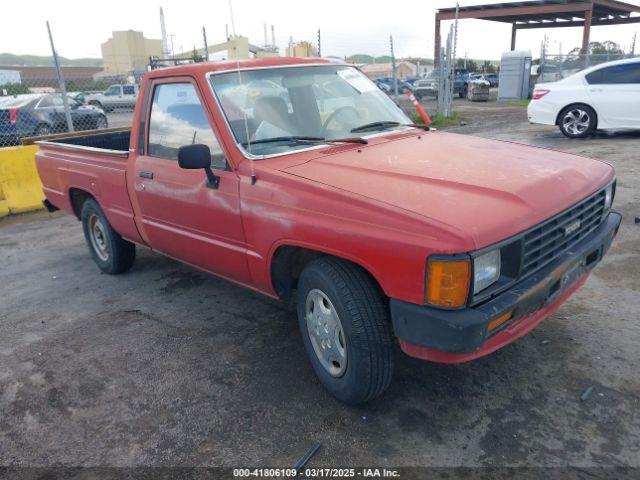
145, 174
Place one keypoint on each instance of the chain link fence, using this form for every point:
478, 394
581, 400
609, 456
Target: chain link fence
31, 102
552, 68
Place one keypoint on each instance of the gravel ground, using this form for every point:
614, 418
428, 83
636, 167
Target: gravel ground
166, 366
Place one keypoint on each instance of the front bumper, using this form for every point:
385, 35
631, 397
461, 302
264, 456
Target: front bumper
454, 336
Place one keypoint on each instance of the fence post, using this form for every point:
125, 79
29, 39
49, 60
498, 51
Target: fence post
393, 68
63, 89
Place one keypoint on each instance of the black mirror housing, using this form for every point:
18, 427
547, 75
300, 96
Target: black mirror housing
195, 157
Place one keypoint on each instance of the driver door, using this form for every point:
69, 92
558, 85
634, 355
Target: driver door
177, 213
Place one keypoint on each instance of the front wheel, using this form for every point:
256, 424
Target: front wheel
344, 321
109, 250
577, 121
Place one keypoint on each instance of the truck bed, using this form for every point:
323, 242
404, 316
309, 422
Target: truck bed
110, 142
91, 164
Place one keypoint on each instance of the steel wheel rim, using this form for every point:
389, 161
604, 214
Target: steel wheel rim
326, 333
576, 121
98, 237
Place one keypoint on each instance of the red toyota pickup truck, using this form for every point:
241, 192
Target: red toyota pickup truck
299, 176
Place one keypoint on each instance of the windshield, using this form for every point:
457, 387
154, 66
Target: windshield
325, 102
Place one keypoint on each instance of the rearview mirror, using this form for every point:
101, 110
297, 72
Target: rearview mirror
195, 157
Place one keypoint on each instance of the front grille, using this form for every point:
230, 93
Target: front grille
552, 238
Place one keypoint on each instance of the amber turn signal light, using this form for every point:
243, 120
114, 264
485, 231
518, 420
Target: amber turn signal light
496, 322
447, 282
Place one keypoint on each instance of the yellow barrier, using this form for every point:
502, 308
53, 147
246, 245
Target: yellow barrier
20, 186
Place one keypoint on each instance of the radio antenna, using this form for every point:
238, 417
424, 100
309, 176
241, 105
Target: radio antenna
244, 113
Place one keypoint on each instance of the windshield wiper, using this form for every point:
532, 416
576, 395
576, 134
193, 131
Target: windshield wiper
305, 139
387, 124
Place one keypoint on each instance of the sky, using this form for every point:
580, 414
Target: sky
347, 26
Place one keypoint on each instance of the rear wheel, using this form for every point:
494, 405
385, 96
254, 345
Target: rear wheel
577, 121
109, 250
344, 321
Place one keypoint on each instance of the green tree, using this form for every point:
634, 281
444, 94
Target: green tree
13, 89
472, 66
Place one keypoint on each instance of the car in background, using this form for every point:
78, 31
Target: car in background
492, 78
411, 80
83, 97
604, 97
386, 88
428, 86
403, 87
44, 114
119, 96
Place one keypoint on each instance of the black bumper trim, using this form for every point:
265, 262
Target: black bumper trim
465, 330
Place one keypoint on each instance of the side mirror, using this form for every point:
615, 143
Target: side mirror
195, 157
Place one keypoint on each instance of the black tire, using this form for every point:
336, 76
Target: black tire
119, 254
364, 317
463, 93
577, 121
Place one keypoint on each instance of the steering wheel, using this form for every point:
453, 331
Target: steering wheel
332, 117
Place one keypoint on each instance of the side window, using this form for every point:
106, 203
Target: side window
178, 119
128, 90
617, 74
113, 90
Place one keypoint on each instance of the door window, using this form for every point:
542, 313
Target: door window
113, 90
617, 74
178, 119
128, 90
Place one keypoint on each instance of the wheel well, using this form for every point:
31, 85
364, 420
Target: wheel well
578, 104
288, 262
78, 197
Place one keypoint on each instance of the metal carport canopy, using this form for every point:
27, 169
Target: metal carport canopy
544, 14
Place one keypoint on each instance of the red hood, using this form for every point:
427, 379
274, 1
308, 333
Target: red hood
485, 188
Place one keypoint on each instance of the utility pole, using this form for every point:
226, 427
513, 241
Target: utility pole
206, 45
319, 45
633, 44
393, 68
63, 89
173, 53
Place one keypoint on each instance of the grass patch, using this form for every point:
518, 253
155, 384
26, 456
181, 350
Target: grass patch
519, 103
440, 121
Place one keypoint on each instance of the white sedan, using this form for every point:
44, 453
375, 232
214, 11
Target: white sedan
604, 97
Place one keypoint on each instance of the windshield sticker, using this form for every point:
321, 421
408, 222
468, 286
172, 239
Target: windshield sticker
357, 80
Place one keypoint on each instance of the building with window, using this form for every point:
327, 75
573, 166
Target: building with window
127, 51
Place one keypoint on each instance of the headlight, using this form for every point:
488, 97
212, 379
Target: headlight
486, 270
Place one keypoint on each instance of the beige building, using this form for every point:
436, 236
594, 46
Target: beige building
128, 50
301, 50
377, 70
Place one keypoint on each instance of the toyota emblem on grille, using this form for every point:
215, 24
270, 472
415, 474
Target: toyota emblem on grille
572, 227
